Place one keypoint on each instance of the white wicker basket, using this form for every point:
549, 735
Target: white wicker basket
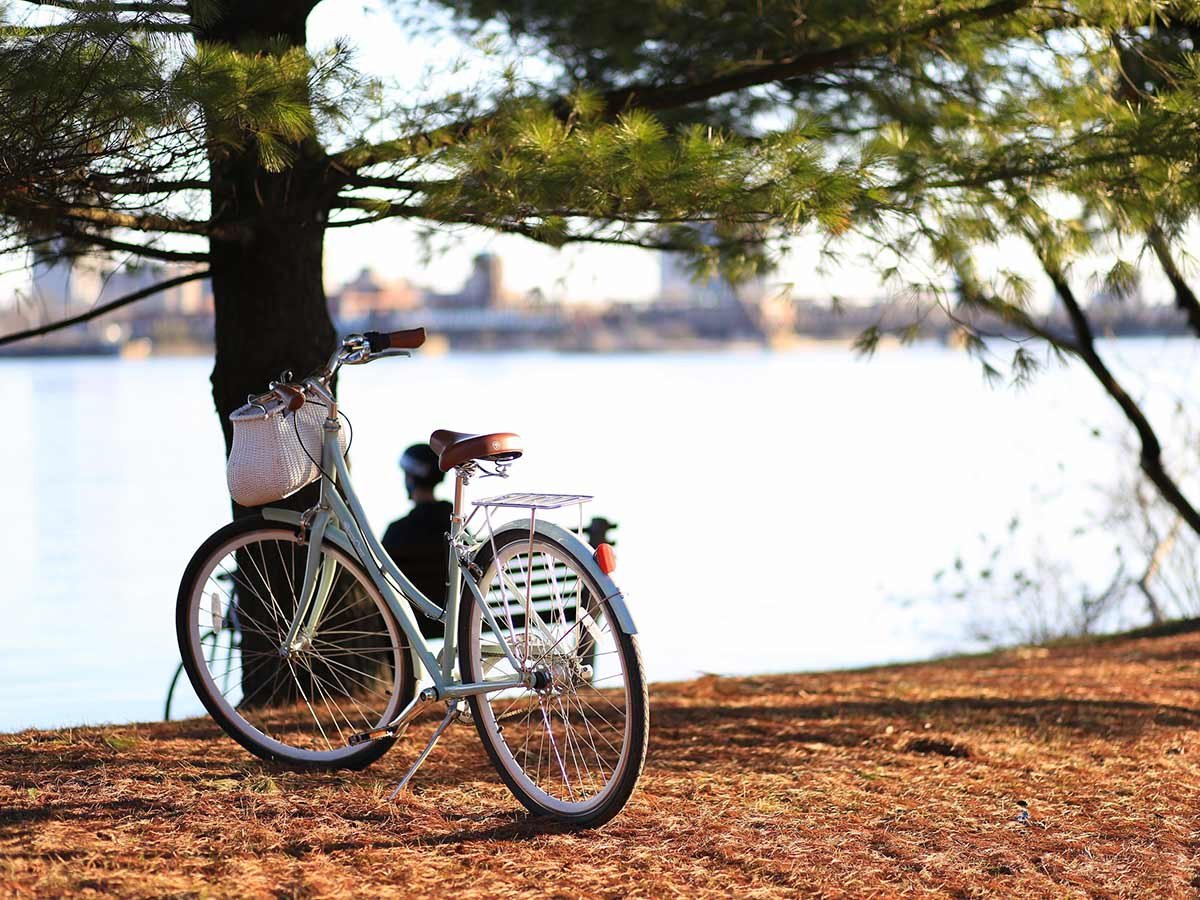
267, 462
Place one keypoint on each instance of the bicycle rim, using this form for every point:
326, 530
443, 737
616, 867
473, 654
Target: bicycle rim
347, 675
573, 745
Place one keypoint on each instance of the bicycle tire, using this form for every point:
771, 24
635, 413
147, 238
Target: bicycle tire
231, 720
617, 791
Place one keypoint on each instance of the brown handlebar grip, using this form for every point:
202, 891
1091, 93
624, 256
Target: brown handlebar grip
291, 396
407, 339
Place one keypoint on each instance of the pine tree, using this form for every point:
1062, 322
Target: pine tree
244, 146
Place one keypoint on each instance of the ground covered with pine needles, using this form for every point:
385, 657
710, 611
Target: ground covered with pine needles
1059, 771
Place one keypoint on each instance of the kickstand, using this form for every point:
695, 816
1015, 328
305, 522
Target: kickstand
452, 714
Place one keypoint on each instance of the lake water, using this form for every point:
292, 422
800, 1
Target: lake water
773, 507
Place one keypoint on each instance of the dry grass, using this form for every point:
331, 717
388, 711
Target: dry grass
905, 780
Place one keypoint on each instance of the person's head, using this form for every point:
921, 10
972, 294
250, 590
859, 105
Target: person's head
421, 471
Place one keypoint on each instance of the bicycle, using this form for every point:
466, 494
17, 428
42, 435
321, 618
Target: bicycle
298, 632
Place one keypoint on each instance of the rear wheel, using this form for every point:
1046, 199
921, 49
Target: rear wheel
351, 673
571, 746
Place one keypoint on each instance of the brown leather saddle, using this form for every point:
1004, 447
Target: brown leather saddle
456, 447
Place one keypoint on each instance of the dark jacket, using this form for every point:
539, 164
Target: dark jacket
417, 544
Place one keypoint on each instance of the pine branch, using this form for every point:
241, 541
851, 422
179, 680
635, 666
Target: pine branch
98, 311
109, 218
118, 6
149, 222
93, 28
137, 249
400, 210
978, 298
379, 210
1185, 298
658, 97
559, 240
354, 180
1085, 340
1046, 167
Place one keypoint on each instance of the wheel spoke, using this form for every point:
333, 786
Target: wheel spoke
344, 677
559, 747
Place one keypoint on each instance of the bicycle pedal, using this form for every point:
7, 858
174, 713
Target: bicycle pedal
364, 737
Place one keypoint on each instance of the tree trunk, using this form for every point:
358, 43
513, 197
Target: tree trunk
266, 259
268, 247
271, 314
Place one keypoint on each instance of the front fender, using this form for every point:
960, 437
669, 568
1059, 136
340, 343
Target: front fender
336, 536
571, 542
332, 532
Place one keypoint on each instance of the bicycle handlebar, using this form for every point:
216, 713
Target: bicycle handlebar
356, 350
405, 339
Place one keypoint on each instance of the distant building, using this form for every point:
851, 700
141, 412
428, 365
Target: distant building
81, 284
367, 296
64, 284
711, 308
678, 284
483, 289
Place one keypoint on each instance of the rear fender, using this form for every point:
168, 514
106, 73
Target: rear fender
570, 541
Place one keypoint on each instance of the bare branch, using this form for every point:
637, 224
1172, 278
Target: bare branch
97, 311
1151, 450
108, 186
137, 249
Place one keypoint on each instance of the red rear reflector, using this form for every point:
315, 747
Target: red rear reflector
605, 558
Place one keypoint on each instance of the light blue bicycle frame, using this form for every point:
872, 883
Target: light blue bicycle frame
339, 517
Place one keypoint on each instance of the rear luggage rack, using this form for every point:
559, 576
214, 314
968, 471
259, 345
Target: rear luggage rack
534, 501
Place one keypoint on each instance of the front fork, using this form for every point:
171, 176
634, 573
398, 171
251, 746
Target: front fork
311, 604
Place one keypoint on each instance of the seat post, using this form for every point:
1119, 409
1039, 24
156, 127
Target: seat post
453, 576
460, 483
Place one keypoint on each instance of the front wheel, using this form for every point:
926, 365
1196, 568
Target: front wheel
350, 672
571, 746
